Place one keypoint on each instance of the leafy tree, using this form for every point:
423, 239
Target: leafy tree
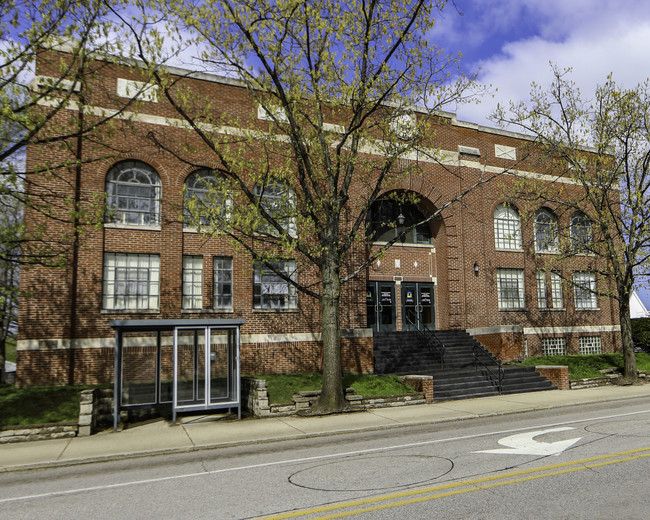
603, 145
48, 107
336, 84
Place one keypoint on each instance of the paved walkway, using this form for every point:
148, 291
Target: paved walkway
205, 432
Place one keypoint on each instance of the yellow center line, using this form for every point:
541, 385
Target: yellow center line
478, 483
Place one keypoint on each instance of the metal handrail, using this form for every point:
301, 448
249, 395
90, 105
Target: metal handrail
498, 377
432, 342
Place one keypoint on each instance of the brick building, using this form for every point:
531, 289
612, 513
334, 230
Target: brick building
487, 265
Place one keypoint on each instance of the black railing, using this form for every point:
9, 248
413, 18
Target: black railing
490, 364
432, 342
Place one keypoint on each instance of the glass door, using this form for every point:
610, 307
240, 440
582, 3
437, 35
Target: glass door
418, 310
380, 306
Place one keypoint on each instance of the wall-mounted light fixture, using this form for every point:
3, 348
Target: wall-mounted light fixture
476, 268
401, 218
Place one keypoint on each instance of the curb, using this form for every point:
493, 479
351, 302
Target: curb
300, 436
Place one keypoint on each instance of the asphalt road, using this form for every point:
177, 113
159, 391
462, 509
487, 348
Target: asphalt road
586, 462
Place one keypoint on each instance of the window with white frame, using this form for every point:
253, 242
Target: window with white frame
555, 346
192, 282
223, 283
580, 232
541, 289
546, 238
133, 194
206, 201
279, 202
272, 291
507, 227
131, 282
590, 345
584, 290
556, 290
510, 288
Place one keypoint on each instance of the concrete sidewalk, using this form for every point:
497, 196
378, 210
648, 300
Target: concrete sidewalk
204, 432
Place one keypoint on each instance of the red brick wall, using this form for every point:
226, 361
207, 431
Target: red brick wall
559, 376
463, 237
506, 346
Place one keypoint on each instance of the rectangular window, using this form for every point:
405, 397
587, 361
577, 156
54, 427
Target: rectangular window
556, 290
131, 282
590, 345
223, 283
510, 287
584, 291
270, 290
541, 289
192, 282
554, 346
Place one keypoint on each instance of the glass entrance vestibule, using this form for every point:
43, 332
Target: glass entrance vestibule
190, 365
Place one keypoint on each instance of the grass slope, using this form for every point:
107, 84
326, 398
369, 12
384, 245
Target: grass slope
588, 366
282, 387
39, 404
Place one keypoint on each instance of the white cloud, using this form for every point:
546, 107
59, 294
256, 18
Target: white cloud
593, 38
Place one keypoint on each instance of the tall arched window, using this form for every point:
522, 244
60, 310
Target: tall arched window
388, 218
507, 227
133, 194
580, 232
546, 239
279, 201
206, 200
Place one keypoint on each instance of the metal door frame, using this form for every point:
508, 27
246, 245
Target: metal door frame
418, 305
378, 307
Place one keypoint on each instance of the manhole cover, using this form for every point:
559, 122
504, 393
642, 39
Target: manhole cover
636, 428
372, 473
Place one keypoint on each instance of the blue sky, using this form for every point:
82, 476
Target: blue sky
512, 42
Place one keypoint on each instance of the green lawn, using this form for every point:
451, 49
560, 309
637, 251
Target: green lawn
282, 387
39, 404
588, 366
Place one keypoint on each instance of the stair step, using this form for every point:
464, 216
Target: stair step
407, 353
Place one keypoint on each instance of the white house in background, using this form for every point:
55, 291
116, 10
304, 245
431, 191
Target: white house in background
637, 308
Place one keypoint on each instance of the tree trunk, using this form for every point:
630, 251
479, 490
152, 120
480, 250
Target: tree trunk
3, 358
332, 398
629, 360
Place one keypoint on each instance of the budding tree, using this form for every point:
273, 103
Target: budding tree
335, 85
603, 145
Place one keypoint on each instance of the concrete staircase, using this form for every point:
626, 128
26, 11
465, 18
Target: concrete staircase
455, 373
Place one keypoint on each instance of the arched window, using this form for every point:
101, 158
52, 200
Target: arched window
580, 232
279, 201
206, 200
546, 239
133, 194
388, 218
507, 227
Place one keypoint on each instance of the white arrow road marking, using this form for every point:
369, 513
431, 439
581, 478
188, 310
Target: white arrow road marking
525, 444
